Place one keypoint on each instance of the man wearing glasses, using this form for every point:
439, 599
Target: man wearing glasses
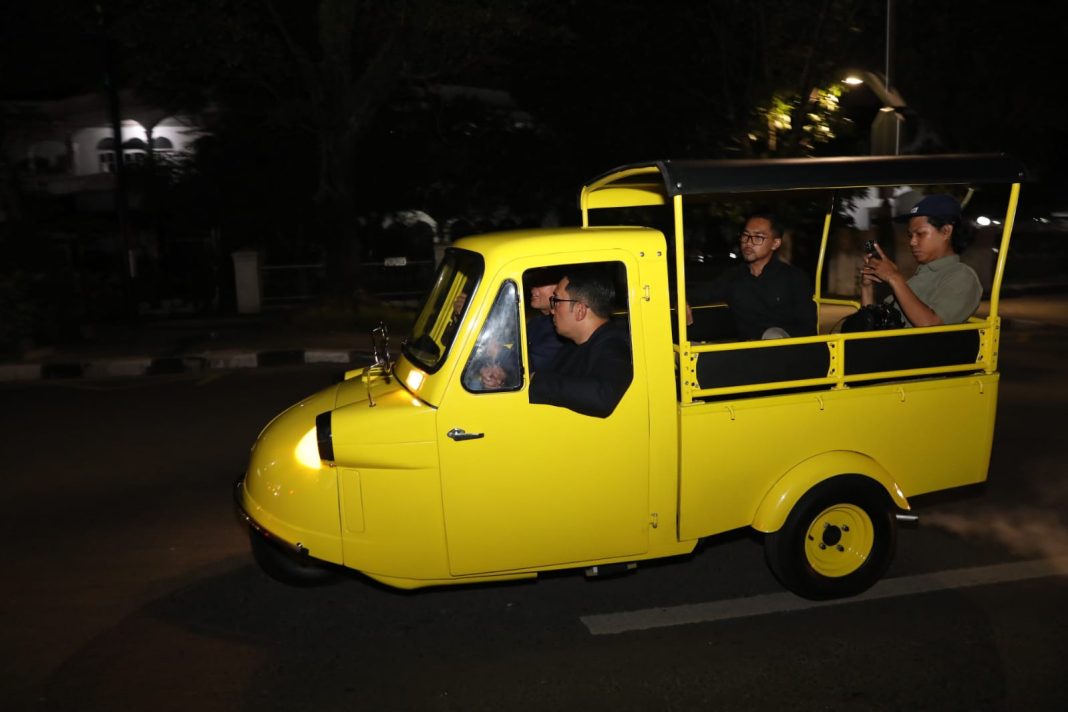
768, 298
592, 370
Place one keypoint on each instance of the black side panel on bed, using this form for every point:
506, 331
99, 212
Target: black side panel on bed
721, 369
895, 353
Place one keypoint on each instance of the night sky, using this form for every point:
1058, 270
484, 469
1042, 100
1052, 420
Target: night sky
603, 83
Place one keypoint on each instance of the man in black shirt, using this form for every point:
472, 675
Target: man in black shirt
768, 298
592, 370
542, 340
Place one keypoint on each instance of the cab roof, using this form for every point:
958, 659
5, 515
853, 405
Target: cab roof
653, 182
513, 244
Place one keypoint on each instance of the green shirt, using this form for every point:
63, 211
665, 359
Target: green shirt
949, 287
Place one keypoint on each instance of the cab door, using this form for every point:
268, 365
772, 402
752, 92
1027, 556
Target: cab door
527, 486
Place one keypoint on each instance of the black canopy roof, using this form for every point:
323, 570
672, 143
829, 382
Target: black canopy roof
693, 177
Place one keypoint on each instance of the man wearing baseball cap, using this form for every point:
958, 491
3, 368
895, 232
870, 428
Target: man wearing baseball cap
943, 290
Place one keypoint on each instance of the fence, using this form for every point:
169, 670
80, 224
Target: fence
396, 278
292, 284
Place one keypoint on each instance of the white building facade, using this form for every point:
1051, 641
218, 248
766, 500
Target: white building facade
69, 146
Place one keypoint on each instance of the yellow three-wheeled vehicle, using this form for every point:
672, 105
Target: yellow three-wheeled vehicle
416, 473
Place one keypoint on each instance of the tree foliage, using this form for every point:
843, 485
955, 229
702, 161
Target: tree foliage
985, 75
695, 79
341, 107
307, 75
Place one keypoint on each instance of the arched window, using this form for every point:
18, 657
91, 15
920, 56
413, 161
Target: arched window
134, 150
162, 143
105, 151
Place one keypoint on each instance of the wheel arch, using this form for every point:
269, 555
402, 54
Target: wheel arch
802, 477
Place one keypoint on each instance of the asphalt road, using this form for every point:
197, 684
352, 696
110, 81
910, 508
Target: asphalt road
128, 584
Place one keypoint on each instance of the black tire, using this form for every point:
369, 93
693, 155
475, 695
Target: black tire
288, 567
837, 541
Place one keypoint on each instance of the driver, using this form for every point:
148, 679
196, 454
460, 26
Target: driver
593, 370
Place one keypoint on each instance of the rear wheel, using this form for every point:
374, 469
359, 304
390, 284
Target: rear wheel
288, 567
837, 541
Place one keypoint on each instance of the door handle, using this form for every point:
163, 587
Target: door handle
459, 434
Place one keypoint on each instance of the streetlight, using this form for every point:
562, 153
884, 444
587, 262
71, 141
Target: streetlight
886, 129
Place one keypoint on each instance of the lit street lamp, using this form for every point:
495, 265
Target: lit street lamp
886, 129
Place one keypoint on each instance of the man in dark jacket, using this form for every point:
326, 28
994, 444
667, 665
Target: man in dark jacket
768, 298
543, 342
593, 370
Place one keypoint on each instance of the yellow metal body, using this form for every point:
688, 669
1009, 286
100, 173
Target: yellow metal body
746, 462
292, 498
544, 488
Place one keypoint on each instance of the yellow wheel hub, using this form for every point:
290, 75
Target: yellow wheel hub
839, 540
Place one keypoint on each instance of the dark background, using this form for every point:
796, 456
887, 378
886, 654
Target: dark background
327, 115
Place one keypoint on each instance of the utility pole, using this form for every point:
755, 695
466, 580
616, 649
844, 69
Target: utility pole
888, 69
122, 211
886, 129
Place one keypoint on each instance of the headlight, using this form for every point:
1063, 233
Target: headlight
307, 453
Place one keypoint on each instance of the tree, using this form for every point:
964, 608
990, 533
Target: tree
717, 78
316, 72
985, 74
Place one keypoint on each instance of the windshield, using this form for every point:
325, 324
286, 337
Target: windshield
444, 309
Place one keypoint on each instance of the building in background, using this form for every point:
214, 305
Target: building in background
67, 147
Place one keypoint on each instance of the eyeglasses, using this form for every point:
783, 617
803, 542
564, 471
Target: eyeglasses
757, 238
554, 300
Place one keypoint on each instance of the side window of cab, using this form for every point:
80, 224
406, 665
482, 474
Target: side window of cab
495, 364
592, 366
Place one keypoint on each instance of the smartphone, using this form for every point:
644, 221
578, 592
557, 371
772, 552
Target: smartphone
869, 248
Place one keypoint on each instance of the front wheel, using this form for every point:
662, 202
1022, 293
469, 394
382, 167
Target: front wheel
837, 541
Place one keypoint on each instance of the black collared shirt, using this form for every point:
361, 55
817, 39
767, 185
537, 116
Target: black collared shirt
588, 378
781, 296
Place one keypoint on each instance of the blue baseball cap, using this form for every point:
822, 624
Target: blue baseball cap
937, 205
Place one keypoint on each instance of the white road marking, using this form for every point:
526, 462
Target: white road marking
328, 356
613, 623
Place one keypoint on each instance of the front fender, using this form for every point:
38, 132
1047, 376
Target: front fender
287, 491
792, 486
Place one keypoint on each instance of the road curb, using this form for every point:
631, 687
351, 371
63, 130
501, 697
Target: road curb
138, 366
